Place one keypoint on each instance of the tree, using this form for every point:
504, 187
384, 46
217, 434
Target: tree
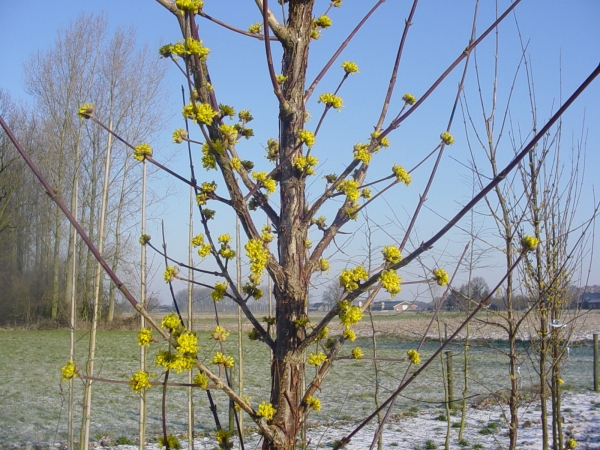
294, 260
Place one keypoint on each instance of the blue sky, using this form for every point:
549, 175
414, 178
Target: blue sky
562, 48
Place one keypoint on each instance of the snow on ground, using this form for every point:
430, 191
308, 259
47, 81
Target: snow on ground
485, 429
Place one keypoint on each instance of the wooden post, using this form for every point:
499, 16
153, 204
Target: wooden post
450, 379
596, 388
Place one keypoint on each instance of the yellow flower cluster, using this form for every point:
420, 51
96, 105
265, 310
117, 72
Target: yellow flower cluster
316, 359
201, 113
222, 437
349, 314
265, 235
206, 191
203, 249
365, 193
68, 371
350, 67
141, 151
144, 337
391, 254
192, 6
170, 322
302, 322
225, 251
401, 174
350, 188
333, 101
258, 256
268, 183
230, 133
174, 361
409, 99
357, 353
139, 381
571, 443
441, 277
170, 273
266, 410
313, 402
349, 334
272, 150
362, 153
323, 21
414, 356
529, 242
220, 333
349, 278
219, 291
252, 290
390, 281
86, 110
305, 164
307, 137
235, 164
202, 380
187, 343
144, 239
179, 135
324, 265
222, 360
208, 159
447, 138
281, 78
384, 142
255, 28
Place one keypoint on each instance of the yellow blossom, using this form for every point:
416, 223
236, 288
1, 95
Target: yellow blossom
323, 21
179, 135
141, 151
266, 410
349, 314
383, 142
192, 6
86, 110
350, 188
390, 281
202, 380
194, 47
571, 443
68, 371
401, 174
225, 238
265, 234
391, 254
268, 183
255, 28
414, 356
306, 137
316, 359
170, 273
144, 239
235, 164
349, 334
357, 353
447, 138
350, 67
313, 402
170, 321
204, 250
441, 277
281, 78
187, 343
139, 381
258, 256
144, 337
349, 278
333, 101
324, 265
529, 243
222, 360
219, 291
362, 153
409, 99
220, 333
306, 164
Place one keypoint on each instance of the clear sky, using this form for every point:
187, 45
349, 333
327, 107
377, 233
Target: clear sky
562, 42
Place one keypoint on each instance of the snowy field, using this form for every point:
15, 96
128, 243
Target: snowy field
33, 407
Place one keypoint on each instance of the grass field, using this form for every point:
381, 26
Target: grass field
33, 403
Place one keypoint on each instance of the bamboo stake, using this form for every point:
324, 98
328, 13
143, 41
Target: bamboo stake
240, 341
190, 317
87, 401
72, 285
142, 417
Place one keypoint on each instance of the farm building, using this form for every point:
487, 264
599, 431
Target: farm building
590, 300
393, 306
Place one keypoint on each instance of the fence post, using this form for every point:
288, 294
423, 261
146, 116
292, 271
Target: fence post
596, 362
450, 378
